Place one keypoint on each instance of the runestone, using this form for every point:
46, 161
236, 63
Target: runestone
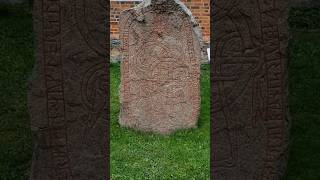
68, 92
160, 72
249, 116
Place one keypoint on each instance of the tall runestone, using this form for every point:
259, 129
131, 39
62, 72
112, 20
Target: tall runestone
68, 93
249, 89
160, 72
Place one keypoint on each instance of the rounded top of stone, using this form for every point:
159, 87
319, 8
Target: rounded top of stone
138, 13
146, 3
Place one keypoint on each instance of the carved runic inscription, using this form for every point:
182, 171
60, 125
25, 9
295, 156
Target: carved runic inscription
160, 72
249, 111
68, 91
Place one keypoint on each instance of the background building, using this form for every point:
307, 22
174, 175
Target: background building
200, 10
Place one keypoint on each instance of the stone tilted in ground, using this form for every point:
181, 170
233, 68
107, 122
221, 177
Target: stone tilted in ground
160, 72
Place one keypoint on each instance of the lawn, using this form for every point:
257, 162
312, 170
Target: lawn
304, 101
135, 155
183, 155
16, 62
304, 97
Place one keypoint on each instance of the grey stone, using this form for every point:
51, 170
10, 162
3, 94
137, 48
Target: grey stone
115, 51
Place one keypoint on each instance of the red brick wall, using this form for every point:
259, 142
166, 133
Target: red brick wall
199, 8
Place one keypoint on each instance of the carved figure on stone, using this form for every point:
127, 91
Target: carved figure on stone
160, 72
249, 108
68, 93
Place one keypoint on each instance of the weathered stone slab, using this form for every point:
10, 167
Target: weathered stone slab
68, 94
160, 72
249, 107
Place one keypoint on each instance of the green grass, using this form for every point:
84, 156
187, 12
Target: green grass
134, 155
16, 61
305, 19
182, 155
304, 100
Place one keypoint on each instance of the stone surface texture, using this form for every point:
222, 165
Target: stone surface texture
160, 72
68, 93
249, 89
